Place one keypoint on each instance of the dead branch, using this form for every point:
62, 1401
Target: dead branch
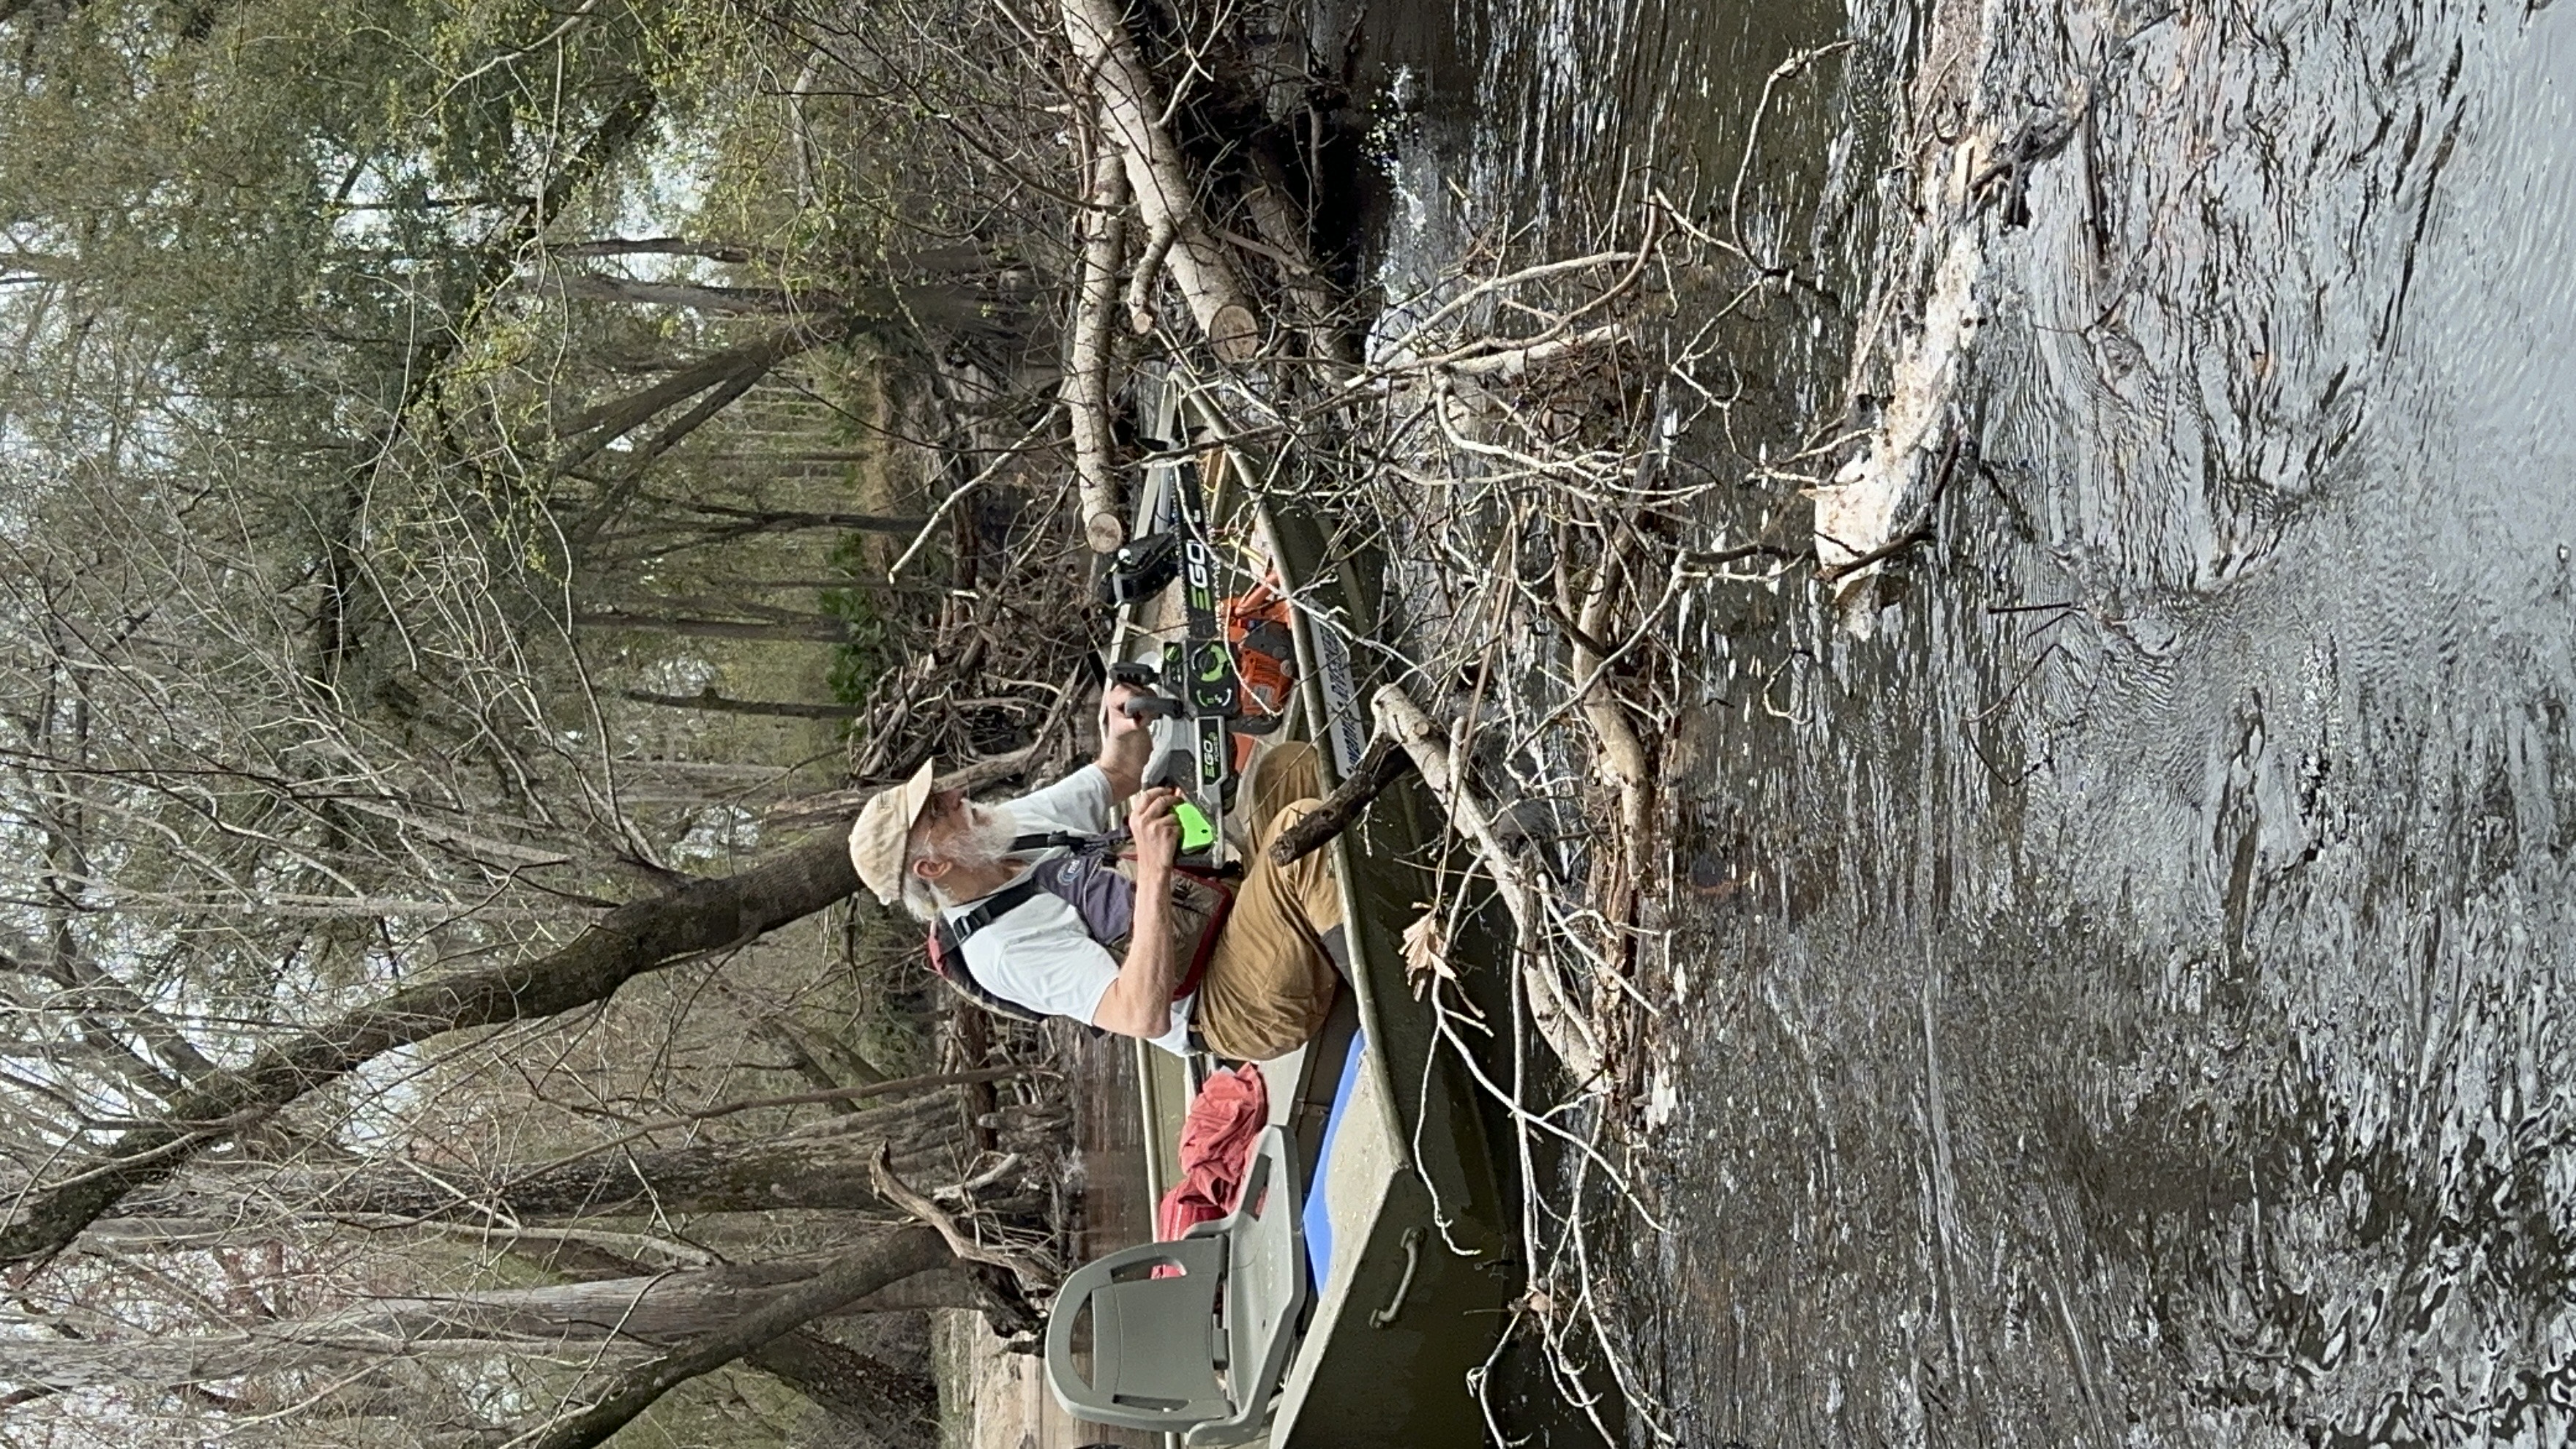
1513, 364
1034, 1280
978, 775
1379, 767
1622, 757
1559, 1023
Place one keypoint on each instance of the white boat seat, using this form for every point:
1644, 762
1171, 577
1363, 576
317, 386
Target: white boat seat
1200, 1354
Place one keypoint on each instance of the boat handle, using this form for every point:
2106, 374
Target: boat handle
1404, 1285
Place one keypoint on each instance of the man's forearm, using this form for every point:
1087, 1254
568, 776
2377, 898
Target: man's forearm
1139, 1002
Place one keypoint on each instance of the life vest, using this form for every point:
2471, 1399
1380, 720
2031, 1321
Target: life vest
1199, 904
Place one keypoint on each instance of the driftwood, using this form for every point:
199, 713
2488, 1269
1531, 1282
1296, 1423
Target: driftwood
1623, 756
1378, 768
1559, 1023
1160, 177
1516, 363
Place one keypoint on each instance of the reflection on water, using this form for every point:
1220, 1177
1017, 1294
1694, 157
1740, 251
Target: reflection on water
2134, 1004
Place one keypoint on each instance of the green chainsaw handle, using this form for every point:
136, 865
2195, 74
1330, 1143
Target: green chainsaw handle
1196, 833
1176, 768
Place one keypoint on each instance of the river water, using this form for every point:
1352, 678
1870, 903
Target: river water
2130, 990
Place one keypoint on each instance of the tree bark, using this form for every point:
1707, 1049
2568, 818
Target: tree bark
1160, 177
735, 367
662, 1308
867, 1393
172, 1361
823, 1169
635, 1312
819, 630
708, 699
1087, 353
696, 918
885, 1259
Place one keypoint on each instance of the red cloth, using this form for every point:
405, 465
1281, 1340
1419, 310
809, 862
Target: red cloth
1217, 1139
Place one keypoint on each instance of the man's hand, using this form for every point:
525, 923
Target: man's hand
1157, 831
1139, 1002
1126, 742
1114, 718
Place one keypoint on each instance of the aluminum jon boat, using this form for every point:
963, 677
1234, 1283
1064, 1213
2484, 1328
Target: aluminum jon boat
1365, 1275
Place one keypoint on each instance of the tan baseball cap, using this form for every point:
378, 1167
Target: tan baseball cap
878, 837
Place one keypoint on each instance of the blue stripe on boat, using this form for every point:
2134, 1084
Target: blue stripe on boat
1317, 1218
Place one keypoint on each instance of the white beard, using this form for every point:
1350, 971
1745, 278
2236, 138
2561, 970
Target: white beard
986, 841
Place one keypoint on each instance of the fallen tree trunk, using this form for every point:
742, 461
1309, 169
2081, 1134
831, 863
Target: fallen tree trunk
818, 1170
859, 1390
692, 920
1165, 199
661, 1308
887, 1258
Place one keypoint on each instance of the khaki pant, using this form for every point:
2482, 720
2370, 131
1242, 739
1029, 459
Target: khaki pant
1269, 984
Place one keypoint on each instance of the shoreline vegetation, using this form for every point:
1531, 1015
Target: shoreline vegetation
492, 486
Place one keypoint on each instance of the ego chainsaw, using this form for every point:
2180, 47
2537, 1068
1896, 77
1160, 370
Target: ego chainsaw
1199, 682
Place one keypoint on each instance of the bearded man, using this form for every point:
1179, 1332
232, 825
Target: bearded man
1050, 912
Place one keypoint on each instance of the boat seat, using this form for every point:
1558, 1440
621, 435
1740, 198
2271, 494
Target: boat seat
1198, 1354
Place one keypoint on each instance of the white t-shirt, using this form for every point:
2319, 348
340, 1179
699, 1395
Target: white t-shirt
1037, 953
